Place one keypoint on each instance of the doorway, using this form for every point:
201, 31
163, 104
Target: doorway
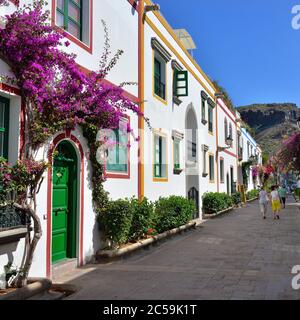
64, 202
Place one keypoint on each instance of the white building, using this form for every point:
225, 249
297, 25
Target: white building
185, 153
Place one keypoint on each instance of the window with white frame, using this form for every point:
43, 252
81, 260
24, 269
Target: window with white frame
205, 149
211, 167
160, 156
177, 138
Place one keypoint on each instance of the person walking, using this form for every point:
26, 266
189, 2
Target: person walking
282, 194
263, 202
276, 205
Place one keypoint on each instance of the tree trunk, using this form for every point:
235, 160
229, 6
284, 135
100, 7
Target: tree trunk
37, 229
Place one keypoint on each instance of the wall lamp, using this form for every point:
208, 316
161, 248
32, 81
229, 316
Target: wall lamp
228, 142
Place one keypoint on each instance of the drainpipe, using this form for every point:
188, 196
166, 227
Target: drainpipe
141, 97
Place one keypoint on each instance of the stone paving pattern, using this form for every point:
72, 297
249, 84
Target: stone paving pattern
235, 256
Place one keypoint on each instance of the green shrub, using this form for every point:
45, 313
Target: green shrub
214, 202
172, 212
142, 218
252, 194
236, 198
297, 192
116, 221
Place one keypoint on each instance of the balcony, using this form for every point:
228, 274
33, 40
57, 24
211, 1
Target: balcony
14, 224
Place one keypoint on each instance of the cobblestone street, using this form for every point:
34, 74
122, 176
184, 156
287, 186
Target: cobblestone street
235, 256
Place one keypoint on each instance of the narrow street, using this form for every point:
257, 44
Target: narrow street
235, 256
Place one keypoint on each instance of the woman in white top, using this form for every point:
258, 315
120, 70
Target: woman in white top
263, 202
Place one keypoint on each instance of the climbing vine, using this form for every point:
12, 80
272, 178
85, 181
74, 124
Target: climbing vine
57, 96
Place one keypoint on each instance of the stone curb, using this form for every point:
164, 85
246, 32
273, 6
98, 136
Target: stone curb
213, 215
37, 286
108, 255
251, 200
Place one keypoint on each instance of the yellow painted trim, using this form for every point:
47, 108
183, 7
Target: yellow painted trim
179, 57
160, 180
211, 154
157, 132
160, 99
211, 133
165, 102
166, 25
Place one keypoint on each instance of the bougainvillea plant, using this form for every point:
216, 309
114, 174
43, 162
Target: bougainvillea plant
289, 155
57, 95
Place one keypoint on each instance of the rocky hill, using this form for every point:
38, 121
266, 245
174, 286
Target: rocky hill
271, 122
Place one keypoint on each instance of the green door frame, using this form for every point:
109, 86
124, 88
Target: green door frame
67, 155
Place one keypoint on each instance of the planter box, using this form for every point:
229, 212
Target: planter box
12, 235
250, 200
35, 287
109, 255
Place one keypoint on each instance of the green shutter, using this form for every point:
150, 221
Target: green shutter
4, 127
157, 77
203, 108
181, 83
210, 118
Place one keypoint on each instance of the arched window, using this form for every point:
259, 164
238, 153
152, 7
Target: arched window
226, 128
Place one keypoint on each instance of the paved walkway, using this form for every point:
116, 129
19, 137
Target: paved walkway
235, 256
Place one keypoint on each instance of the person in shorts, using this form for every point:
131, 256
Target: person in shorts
282, 194
276, 205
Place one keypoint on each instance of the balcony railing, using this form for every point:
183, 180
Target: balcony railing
11, 217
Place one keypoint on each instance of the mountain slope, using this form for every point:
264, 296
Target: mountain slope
271, 122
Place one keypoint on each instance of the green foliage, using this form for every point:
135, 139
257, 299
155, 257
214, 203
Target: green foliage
100, 196
226, 97
131, 219
236, 198
214, 202
297, 192
116, 221
172, 212
252, 194
142, 218
265, 158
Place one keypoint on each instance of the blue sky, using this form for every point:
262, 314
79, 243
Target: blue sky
250, 47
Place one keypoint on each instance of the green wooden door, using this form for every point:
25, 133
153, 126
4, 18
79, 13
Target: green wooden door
64, 182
